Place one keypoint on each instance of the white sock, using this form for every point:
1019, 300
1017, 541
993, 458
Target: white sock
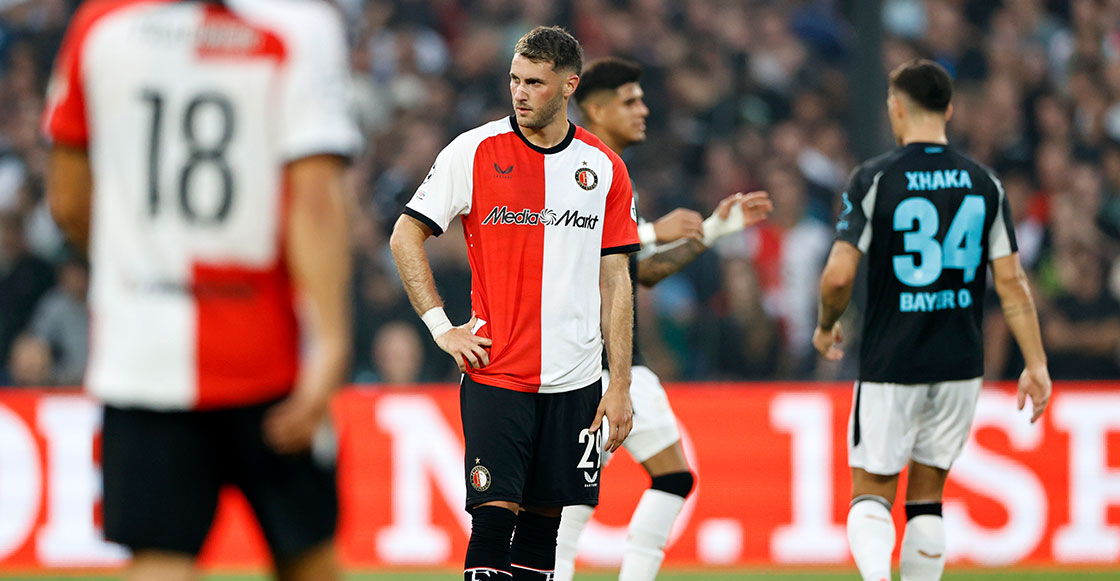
649, 532
871, 537
923, 548
572, 521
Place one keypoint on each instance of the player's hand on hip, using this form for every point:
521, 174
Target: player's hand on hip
680, 223
827, 342
616, 412
290, 426
756, 207
1035, 382
465, 347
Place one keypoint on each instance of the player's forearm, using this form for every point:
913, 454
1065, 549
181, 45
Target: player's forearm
1022, 317
668, 260
70, 185
618, 318
834, 301
318, 256
407, 245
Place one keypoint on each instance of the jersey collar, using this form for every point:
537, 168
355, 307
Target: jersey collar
564, 143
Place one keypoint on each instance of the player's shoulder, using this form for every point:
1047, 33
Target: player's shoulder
294, 17
93, 12
976, 168
591, 140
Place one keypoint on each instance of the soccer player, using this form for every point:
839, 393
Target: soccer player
547, 212
930, 221
198, 155
610, 99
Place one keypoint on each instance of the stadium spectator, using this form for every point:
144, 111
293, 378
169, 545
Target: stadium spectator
24, 279
62, 321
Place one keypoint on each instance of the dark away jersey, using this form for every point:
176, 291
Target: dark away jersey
928, 219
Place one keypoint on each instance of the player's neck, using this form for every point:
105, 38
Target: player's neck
607, 138
548, 136
925, 133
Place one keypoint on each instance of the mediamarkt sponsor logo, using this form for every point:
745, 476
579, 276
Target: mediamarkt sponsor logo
546, 217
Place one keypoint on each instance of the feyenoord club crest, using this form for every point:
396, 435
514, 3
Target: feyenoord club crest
480, 478
586, 178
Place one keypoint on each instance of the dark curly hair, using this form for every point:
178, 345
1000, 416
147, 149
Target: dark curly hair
552, 44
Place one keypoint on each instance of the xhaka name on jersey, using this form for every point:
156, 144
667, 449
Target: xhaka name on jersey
546, 217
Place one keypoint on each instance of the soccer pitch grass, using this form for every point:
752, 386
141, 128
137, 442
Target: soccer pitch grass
677, 575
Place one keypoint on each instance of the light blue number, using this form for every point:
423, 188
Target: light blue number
967, 228
926, 267
960, 250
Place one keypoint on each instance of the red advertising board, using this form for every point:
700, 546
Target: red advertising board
773, 484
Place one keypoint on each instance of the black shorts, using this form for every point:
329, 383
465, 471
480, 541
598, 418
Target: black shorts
163, 470
530, 448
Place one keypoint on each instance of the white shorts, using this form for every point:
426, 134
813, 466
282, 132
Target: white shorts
655, 424
892, 423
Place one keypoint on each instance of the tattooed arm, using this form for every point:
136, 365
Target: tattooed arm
1022, 319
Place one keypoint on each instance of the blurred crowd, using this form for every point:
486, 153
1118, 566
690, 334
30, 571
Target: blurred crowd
744, 95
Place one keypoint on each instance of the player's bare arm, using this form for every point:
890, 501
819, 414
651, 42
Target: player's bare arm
618, 325
319, 258
69, 187
836, 290
1022, 318
407, 245
670, 259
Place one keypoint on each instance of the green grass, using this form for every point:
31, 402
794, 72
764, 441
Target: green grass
679, 575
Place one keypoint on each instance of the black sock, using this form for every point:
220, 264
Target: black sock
533, 555
488, 549
914, 509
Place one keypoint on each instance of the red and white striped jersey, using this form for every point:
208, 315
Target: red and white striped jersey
536, 222
190, 112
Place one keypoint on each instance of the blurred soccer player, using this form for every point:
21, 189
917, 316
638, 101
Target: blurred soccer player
198, 154
547, 212
930, 221
610, 98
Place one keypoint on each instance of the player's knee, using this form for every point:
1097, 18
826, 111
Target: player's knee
678, 483
491, 523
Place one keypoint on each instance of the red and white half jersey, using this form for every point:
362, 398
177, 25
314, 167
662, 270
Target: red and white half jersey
190, 112
536, 222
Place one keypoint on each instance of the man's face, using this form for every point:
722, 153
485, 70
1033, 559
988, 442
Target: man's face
538, 91
624, 115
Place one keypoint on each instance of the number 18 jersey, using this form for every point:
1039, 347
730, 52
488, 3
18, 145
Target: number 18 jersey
929, 220
189, 112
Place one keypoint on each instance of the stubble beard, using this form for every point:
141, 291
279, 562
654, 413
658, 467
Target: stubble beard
545, 115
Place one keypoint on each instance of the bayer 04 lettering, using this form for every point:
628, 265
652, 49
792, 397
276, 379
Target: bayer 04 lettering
918, 218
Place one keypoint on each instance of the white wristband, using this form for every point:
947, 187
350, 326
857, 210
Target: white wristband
715, 227
437, 321
646, 234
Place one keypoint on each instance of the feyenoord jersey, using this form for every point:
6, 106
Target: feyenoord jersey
536, 222
929, 220
189, 112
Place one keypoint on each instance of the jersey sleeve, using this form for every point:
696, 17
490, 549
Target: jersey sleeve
315, 109
620, 219
857, 206
447, 191
1001, 238
64, 117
